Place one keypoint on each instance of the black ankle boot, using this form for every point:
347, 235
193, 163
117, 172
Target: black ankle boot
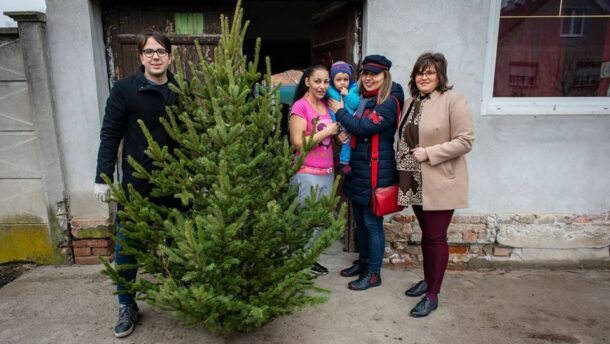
424, 307
418, 289
358, 268
370, 280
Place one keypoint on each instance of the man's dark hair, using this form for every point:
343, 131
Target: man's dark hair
157, 36
425, 61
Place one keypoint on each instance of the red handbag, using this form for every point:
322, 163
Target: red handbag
384, 200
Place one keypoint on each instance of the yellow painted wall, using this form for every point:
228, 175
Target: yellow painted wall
26, 242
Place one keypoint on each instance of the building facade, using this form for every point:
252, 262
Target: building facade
535, 73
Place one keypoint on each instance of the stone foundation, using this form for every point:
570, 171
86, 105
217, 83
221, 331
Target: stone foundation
500, 240
92, 239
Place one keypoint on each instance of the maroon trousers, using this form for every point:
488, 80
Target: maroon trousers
434, 225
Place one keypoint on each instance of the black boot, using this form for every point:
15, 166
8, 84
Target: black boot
423, 308
371, 279
418, 289
358, 268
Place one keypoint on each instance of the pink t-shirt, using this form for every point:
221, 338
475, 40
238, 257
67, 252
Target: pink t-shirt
320, 156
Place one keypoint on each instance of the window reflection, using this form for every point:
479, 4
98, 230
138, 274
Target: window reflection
553, 48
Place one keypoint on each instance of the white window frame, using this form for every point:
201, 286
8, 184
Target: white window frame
528, 106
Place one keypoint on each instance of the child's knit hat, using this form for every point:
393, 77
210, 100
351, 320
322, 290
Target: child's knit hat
341, 67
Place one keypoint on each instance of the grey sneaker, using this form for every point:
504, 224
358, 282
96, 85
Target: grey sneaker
128, 315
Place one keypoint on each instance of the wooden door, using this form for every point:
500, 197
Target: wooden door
337, 33
183, 22
336, 37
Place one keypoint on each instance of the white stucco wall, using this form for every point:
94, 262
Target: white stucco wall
524, 164
81, 87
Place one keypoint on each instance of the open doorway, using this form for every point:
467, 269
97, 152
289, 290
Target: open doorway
300, 33
295, 33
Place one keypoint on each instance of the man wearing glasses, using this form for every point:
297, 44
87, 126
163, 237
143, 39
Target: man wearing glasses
141, 96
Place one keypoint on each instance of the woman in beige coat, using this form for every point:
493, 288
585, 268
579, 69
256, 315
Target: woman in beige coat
435, 132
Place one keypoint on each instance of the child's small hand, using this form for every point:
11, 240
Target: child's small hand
344, 91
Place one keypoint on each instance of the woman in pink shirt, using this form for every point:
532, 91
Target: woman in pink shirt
309, 112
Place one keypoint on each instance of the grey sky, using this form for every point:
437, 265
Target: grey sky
18, 5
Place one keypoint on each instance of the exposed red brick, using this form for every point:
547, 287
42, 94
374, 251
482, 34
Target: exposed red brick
467, 227
103, 251
473, 227
471, 219
454, 235
458, 249
407, 228
582, 219
399, 261
82, 251
92, 243
399, 245
91, 260
483, 235
469, 236
79, 243
502, 251
404, 218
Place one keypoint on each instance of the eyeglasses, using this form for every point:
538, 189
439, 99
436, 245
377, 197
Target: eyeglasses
428, 74
151, 52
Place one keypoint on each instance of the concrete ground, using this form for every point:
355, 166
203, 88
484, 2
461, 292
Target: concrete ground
74, 304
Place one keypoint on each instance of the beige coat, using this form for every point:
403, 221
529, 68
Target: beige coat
446, 132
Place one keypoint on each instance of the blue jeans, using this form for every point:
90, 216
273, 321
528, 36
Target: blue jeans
370, 236
129, 274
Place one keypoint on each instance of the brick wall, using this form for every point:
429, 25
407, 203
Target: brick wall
475, 241
507, 239
92, 239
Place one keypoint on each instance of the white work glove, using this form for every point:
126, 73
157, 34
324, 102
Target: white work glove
102, 192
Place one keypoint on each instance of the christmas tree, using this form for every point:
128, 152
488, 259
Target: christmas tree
237, 253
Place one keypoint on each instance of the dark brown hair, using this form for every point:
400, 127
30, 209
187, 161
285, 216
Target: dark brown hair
157, 36
426, 60
302, 87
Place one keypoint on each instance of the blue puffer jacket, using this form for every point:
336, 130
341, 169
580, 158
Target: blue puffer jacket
380, 119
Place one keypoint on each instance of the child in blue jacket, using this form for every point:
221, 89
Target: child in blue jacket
343, 86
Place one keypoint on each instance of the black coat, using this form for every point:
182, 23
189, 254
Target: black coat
131, 99
380, 119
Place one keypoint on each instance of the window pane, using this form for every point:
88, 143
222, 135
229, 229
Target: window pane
189, 23
552, 48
